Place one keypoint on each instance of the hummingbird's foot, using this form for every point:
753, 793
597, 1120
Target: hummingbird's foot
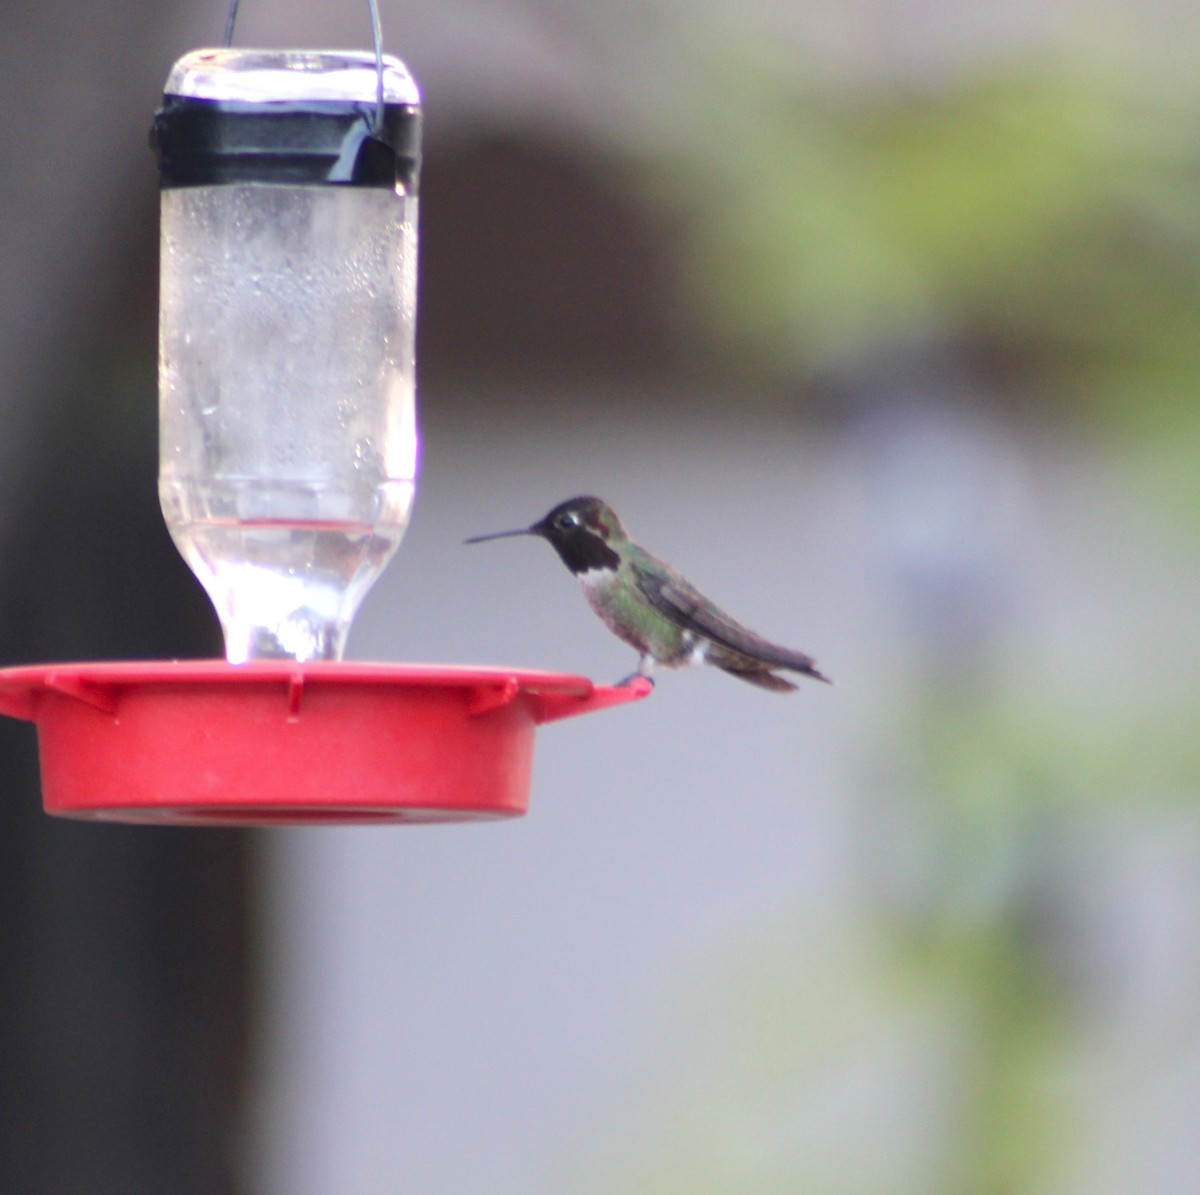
645, 665
626, 681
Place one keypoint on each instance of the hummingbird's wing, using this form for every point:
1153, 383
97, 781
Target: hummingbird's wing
678, 599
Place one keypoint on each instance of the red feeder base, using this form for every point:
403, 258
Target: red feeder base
273, 743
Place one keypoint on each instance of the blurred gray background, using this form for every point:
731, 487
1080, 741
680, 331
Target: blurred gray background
879, 320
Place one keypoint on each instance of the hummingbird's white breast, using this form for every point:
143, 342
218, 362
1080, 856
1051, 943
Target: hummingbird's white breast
599, 586
650, 633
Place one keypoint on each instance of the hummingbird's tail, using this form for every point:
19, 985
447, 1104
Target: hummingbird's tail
774, 656
811, 669
758, 671
762, 678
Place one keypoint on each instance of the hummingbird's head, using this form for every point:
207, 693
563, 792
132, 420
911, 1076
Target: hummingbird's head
585, 532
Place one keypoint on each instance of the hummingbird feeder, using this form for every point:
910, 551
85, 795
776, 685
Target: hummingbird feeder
288, 465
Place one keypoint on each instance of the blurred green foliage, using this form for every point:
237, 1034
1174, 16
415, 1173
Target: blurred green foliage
1041, 216
858, 1059
1041, 219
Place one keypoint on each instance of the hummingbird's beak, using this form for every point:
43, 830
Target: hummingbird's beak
478, 539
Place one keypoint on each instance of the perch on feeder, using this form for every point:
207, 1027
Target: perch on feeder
288, 464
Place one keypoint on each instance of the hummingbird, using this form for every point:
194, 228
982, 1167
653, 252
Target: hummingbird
651, 606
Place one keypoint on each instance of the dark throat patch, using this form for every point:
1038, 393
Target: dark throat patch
581, 551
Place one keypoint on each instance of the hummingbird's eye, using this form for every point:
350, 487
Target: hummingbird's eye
568, 521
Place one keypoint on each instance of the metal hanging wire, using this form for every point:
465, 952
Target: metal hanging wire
376, 34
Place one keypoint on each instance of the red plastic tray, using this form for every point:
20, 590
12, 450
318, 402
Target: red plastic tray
272, 743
